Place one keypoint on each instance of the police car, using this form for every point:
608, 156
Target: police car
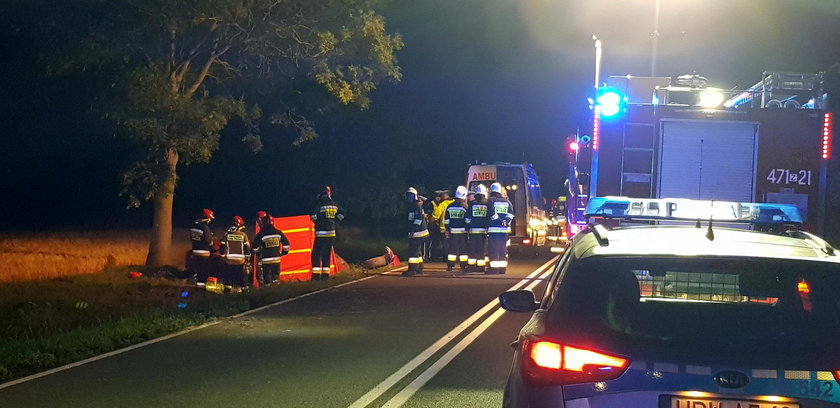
709, 312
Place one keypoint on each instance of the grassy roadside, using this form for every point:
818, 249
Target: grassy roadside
54, 322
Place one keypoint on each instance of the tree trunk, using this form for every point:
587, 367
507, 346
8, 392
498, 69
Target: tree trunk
160, 246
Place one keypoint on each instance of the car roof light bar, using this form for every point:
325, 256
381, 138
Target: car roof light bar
626, 208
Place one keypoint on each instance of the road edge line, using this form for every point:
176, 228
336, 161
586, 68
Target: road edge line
168, 336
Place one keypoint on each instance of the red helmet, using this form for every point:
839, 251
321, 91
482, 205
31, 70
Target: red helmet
261, 215
238, 221
207, 214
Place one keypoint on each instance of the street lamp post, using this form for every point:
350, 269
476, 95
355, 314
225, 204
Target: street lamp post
593, 172
597, 61
655, 36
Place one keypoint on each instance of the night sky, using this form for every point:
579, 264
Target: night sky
487, 80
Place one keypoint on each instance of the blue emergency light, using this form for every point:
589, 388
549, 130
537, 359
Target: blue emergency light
626, 208
609, 102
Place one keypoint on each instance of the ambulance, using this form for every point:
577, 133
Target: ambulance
520, 181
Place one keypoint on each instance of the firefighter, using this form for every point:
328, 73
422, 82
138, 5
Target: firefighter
270, 243
557, 218
500, 212
454, 222
476, 221
236, 250
326, 218
202, 239
417, 232
439, 249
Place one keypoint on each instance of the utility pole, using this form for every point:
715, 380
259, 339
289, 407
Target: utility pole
597, 61
655, 36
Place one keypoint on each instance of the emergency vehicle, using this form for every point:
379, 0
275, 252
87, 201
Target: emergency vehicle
530, 224
652, 138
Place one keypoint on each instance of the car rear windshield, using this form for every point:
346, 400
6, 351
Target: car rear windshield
725, 311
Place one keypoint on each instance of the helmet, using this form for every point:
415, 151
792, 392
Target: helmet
206, 214
481, 189
461, 192
238, 221
412, 196
326, 194
261, 215
496, 188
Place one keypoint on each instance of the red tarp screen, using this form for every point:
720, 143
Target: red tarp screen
297, 264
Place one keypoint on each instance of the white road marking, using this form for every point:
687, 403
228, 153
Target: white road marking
167, 337
406, 393
397, 376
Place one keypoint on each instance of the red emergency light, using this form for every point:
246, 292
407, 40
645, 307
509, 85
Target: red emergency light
826, 141
573, 146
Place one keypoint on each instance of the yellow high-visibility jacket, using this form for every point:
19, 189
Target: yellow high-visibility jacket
439, 213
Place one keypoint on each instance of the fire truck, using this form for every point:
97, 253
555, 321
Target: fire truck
663, 138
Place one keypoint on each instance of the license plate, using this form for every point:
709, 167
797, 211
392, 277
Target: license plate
682, 402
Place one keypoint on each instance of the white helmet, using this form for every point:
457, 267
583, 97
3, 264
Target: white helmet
412, 190
481, 189
496, 188
461, 192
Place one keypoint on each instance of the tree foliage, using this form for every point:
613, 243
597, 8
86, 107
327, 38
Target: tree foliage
179, 70
175, 72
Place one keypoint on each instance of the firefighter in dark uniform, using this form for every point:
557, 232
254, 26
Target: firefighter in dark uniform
270, 244
236, 250
500, 212
476, 220
417, 232
202, 247
454, 219
326, 218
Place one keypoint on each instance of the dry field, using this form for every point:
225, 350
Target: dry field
36, 256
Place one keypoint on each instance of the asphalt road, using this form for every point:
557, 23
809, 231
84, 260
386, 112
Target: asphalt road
427, 341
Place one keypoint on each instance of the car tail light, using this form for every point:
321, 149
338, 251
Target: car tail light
550, 363
526, 241
837, 375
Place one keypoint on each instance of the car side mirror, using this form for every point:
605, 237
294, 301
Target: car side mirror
519, 301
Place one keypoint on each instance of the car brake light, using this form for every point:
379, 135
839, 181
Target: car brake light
837, 375
551, 363
546, 354
526, 241
576, 359
803, 287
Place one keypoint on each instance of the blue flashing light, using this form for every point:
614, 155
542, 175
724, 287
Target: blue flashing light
585, 139
609, 102
692, 210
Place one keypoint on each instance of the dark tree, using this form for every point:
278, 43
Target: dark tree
175, 72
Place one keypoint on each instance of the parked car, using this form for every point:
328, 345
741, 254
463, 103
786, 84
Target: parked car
696, 315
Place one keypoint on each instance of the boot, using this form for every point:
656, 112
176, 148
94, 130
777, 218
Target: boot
410, 271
